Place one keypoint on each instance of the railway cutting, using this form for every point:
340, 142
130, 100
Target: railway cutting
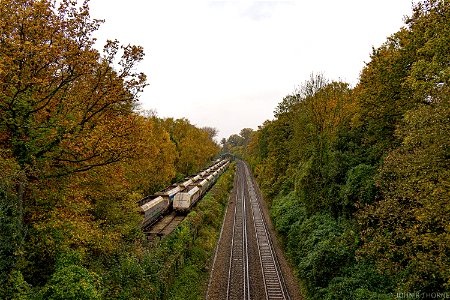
246, 265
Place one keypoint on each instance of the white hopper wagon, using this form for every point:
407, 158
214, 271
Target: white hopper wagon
169, 191
185, 199
202, 183
210, 179
153, 207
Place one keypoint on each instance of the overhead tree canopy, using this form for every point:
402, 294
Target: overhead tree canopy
64, 106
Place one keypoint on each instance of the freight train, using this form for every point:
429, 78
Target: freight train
180, 196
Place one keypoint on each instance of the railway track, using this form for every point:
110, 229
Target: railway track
274, 284
238, 286
246, 266
164, 226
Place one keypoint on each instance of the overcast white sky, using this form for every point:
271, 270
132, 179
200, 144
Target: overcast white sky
227, 64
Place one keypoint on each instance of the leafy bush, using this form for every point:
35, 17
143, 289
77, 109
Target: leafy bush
407, 232
359, 280
71, 280
15, 287
322, 250
314, 244
359, 187
11, 233
285, 211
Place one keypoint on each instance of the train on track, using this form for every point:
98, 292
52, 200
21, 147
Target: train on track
180, 196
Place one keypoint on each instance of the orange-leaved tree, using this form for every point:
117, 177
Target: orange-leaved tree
58, 95
195, 146
65, 108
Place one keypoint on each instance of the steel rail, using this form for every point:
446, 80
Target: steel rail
238, 264
274, 284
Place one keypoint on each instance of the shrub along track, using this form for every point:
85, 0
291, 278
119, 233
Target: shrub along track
247, 265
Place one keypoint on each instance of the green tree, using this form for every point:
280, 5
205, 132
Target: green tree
235, 140
429, 77
11, 227
246, 134
407, 232
71, 281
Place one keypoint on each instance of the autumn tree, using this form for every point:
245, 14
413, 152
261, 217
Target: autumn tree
156, 152
407, 231
75, 153
212, 132
59, 98
223, 143
235, 140
246, 134
428, 33
65, 108
194, 146
295, 148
